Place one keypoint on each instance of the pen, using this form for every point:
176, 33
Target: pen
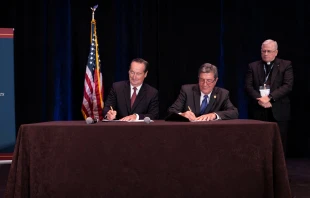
189, 108
111, 108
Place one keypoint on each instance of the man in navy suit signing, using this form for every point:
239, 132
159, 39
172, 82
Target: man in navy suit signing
204, 101
132, 100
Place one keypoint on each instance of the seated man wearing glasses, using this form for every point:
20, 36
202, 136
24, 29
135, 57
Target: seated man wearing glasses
277, 76
132, 100
204, 101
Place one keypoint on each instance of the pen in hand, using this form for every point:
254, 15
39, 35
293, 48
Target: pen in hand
191, 116
112, 113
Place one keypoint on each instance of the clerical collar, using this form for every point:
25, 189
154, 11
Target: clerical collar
269, 63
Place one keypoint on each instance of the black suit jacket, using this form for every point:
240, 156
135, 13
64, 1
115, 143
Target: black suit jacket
281, 85
219, 102
146, 103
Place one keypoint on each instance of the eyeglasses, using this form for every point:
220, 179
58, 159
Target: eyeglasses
132, 73
208, 81
267, 51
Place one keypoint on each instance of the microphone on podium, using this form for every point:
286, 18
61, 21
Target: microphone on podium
147, 120
89, 120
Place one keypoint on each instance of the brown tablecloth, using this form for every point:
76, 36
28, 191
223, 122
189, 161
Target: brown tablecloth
234, 158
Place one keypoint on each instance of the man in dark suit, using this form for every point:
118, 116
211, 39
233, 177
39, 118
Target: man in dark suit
133, 99
276, 74
204, 101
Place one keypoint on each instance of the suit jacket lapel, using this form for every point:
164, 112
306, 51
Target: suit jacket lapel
139, 97
261, 73
275, 70
211, 101
196, 98
126, 91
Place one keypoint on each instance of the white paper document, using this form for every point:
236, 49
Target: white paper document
104, 120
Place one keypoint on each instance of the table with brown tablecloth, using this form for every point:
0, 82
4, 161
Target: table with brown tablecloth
233, 158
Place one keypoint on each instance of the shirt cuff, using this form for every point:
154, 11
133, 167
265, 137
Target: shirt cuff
217, 117
137, 116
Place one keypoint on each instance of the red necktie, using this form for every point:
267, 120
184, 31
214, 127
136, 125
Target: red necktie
134, 95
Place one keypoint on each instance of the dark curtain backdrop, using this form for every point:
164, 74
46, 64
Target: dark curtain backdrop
52, 40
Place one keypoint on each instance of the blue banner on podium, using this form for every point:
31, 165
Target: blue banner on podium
7, 98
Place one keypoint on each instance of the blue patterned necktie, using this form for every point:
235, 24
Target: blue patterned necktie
204, 104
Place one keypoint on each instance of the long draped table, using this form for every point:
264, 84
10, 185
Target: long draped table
233, 158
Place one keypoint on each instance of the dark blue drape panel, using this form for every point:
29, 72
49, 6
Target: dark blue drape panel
128, 35
62, 68
252, 40
44, 69
121, 41
221, 66
138, 8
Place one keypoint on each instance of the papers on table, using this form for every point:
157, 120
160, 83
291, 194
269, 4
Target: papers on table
104, 120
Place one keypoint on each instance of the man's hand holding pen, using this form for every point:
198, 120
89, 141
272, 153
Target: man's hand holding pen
111, 115
189, 114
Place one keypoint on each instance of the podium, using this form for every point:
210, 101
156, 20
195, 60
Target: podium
7, 98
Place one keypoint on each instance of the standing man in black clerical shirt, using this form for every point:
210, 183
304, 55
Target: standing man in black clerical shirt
268, 84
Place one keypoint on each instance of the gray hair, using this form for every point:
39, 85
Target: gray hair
208, 68
270, 41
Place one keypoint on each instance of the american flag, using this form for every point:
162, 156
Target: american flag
93, 87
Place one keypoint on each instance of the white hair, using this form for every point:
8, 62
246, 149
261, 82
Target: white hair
270, 41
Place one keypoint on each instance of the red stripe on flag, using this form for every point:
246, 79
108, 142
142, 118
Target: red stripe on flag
89, 84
